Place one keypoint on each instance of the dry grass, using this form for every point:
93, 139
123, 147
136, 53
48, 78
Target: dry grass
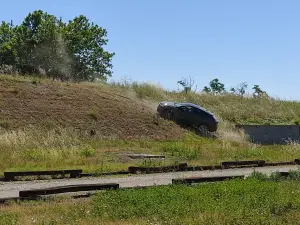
82, 107
50, 124
227, 107
63, 148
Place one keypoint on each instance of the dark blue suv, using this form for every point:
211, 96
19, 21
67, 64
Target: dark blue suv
189, 115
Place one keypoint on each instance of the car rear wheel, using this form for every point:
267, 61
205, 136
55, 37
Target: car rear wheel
203, 130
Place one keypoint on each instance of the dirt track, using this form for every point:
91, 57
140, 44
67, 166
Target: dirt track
11, 189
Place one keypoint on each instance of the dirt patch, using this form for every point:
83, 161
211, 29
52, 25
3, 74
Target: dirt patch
93, 110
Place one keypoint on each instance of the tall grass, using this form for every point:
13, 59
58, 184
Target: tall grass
53, 147
227, 107
36, 147
64, 148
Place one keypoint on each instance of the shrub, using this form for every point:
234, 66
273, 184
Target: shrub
5, 124
297, 121
258, 175
87, 151
93, 113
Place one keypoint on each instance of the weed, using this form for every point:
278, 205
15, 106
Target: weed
294, 175
5, 124
36, 81
275, 176
87, 151
93, 113
297, 121
258, 175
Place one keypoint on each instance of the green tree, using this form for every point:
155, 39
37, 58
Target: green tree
215, 87
7, 50
233, 90
207, 89
37, 43
258, 92
85, 42
73, 50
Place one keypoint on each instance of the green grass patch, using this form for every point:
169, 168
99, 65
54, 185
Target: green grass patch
64, 149
250, 201
233, 202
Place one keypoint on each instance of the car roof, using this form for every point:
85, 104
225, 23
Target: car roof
195, 106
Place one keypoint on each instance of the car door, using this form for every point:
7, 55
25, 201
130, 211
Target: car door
184, 115
200, 117
195, 116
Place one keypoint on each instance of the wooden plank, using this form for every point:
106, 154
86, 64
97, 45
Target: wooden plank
179, 167
67, 189
203, 179
104, 174
12, 175
284, 174
279, 163
227, 164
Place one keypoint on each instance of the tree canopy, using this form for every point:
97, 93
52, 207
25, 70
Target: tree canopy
45, 45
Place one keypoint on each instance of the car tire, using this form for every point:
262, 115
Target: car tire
169, 115
203, 130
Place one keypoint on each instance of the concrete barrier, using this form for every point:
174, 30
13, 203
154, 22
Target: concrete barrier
272, 134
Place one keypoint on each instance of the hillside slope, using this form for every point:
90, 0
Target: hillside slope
117, 113
82, 106
228, 107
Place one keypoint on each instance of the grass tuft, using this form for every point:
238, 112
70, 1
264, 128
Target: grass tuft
5, 124
93, 113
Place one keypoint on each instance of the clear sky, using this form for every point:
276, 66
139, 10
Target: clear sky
161, 41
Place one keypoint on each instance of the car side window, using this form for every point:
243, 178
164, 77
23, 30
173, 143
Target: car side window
186, 108
200, 112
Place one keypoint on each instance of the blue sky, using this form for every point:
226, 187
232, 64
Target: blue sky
161, 41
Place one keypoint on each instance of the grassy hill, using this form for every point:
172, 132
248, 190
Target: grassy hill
83, 107
123, 109
47, 124
229, 107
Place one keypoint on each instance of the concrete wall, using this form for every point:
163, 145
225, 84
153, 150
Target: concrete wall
272, 134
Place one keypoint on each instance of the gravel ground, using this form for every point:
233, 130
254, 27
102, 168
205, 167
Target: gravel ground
11, 189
